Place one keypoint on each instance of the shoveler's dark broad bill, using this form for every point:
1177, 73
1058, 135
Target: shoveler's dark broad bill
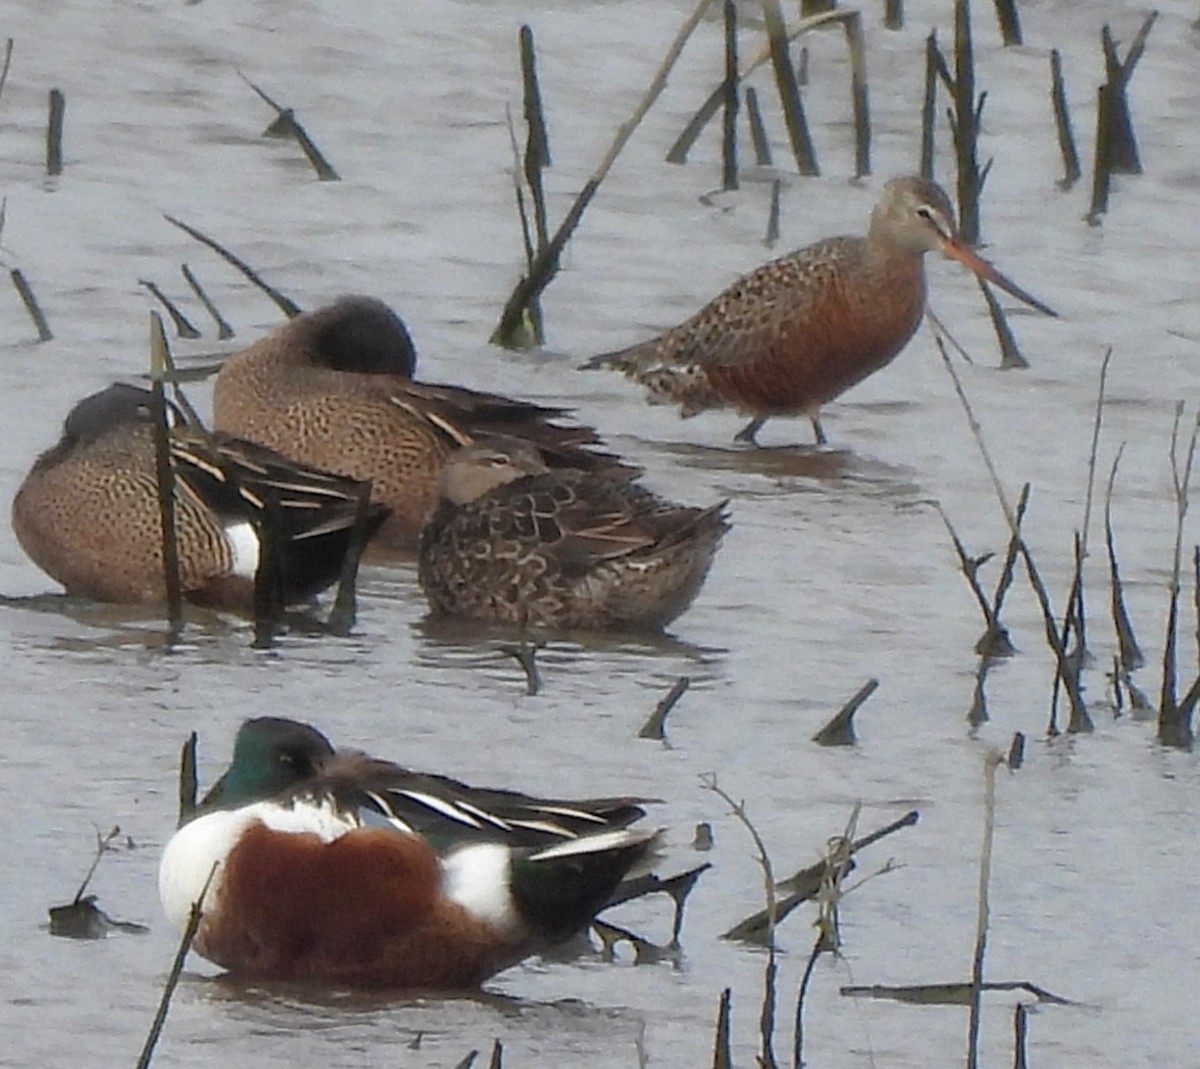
802, 329
88, 513
331, 882
513, 542
334, 388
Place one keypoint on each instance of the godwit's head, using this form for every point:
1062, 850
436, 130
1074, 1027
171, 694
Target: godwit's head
915, 214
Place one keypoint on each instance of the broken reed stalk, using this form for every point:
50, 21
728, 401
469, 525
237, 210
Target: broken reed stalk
1122, 144
1010, 352
54, 132
772, 234
1080, 719
31, 304
8, 53
722, 1054
893, 14
164, 472
789, 90
1020, 1033
991, 762
525, 654
655, 726
188, 782
861, 103
344, 613
183, 328
1130, 652
758, 131
289, 307
709, 780
969, 566
519, 190
840, 730
545, 265
1062, 122
1101, 177
1010, 22
678, 151
1174, 718
536, 159
224, 330
964, 124
1096, 423
286, 122
837, 865
185, 944
933, 60
729, 160
268, 576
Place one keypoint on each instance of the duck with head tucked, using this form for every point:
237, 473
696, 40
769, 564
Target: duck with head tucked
799, 331
334, 388
514, 542
335, 868
88, 511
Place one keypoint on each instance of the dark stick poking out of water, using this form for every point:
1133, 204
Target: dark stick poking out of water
54, 132
165, 478
183, 328
286, 125
1062, 121
840, 730
31, 304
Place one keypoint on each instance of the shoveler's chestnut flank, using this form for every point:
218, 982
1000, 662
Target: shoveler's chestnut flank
512, 542
802, 329
334, 388
88, 513
329, 881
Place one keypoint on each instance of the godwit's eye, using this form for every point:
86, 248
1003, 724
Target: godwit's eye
925, 212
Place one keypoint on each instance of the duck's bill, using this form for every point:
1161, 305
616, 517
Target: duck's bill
956, 250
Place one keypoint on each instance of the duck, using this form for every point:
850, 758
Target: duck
798, 331
330, 867
334, 388
87, 512
512, 541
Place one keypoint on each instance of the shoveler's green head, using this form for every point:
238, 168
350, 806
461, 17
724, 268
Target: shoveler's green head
271, 755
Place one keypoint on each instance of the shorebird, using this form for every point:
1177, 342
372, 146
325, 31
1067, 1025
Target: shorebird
334, 388
802, 329
513, 542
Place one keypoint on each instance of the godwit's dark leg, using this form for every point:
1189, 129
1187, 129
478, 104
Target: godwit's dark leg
749, 433
818, 430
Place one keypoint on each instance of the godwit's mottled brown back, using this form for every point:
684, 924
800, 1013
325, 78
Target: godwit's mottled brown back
332, 388
561, 549
804, 328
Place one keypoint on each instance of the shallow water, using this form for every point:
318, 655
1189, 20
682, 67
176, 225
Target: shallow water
838, 567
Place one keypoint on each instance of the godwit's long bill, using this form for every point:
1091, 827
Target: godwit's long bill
802, 329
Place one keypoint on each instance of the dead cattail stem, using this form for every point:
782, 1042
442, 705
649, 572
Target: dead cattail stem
655, 726
31, 304
1062, 122
1130, 653
789, 90
840, 730
54, 133
183, 328
758, 132
732, 99
187, 780
1010, 21
224, 330
165, 477
287, 123
772, 234
991, 762
545, 265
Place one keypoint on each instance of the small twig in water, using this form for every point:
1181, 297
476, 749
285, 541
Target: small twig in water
655, 726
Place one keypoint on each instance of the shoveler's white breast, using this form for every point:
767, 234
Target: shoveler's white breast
197, 847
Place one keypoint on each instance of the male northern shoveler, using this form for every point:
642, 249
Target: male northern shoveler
341, 869
513, 542
334, 388
802, 329
88, 513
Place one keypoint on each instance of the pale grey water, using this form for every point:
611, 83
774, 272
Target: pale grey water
837, 568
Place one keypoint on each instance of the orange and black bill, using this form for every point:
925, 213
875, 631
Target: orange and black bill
956, 250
